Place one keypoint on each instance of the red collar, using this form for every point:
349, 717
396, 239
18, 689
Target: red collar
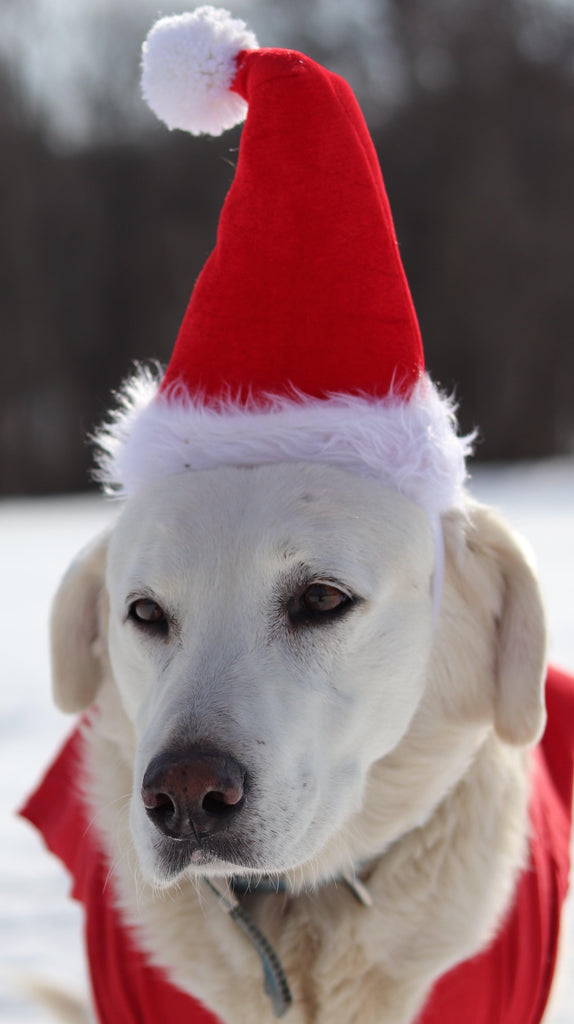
508, 983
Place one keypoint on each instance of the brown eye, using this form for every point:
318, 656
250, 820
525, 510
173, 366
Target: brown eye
319, 603
322, 598
148, 613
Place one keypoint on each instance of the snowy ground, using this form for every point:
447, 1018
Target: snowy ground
39, 926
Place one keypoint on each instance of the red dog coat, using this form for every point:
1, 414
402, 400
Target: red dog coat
508, 983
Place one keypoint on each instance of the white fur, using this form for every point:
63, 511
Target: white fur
188, 66
375, 741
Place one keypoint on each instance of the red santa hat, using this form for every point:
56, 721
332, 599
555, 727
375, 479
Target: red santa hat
300, 341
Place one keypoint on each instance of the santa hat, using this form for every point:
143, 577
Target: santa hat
300, 341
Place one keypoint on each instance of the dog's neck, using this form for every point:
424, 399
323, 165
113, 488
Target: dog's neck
277, 885
229, 892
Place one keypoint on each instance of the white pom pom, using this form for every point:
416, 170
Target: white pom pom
188, 65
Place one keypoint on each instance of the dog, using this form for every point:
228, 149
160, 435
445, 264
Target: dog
308, 778
269, 696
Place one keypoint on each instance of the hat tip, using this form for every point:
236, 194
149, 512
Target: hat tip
189, 62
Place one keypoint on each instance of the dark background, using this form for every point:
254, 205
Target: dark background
106, 218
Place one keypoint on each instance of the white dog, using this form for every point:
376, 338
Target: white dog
269, 645
306, 750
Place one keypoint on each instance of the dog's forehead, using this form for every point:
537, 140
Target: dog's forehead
318, 515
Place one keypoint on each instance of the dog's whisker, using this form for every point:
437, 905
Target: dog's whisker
121, 801
115, 866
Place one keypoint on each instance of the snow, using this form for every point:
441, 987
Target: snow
39, 926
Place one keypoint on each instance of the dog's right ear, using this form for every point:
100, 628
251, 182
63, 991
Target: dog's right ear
77, 625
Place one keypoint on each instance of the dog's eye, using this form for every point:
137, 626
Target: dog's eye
319, 602
149, 614
322, 598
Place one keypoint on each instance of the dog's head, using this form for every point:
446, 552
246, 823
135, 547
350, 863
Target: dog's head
270, 634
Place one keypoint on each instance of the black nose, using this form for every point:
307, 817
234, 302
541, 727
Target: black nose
193, 793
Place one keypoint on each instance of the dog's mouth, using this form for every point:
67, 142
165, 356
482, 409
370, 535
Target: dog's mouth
195, 799
202, 855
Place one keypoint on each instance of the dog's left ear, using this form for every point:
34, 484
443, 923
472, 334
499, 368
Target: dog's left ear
519, 711
78, 623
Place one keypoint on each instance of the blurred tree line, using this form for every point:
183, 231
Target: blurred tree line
101, 241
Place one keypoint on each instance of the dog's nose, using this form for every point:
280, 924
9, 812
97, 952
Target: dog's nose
193, 793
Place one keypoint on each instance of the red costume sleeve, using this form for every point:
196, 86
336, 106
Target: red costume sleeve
126, 988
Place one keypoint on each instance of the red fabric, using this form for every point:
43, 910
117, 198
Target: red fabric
126, 988
509, 983
305, 286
